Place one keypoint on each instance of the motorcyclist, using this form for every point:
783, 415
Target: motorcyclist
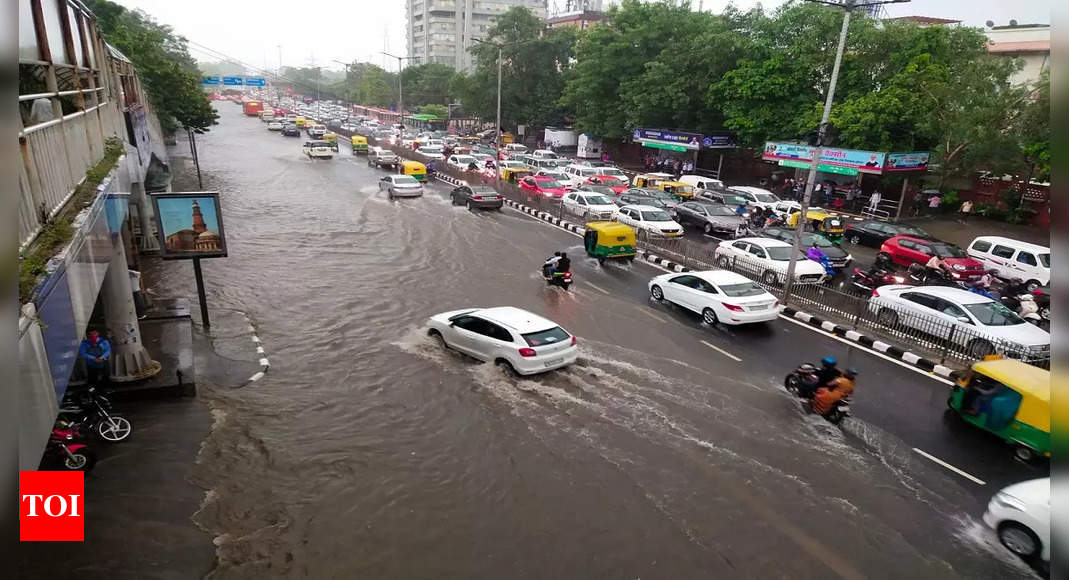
837, 389
828, 372
1028, 308
936, 266
550, 264
989, 279
563, 265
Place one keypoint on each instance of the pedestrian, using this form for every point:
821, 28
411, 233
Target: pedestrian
966, 209
96, 352
139, 299
604, 156
933, 203
874, 201
850, 193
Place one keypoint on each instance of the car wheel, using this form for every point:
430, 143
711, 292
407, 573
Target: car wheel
887, 317
709, 317
1018, 539
708, 229
770, 278
884, 256
1031, 286
389, 193
854, 239
437, 337
723, 262
506, 368
1023, 453
979, 348
468, 205
657, 293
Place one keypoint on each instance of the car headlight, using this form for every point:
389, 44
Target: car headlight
958, 267
1008, 501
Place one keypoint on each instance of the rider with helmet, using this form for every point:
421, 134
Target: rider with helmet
828, 372
826, 397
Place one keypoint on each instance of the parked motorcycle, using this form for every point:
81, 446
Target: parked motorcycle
795, 382
872, 279
65, 447
89, 408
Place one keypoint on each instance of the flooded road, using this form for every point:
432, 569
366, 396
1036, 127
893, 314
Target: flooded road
367, 452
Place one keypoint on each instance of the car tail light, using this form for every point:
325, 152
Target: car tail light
574, 340
528, 352
775, 304
732, 307
477, 197
875, 292
857, 270
1037, 292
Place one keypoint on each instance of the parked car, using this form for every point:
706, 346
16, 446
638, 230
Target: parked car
379, 157
318, 149
839, 257
291, 130
874, 232
906, 250
589, 206
1020, 515
476, 196
755, 196
1013, 259
541, 186
654, 221
718, 295
982, 325
768, 259
711, 218
517, 341
401, 186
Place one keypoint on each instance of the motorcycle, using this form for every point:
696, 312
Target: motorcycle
821, 258
561, 279
90, 408
873, 279
796, 384
64, 447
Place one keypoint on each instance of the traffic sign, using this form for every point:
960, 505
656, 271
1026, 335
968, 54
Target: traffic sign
233, 81
211, 80
255, 81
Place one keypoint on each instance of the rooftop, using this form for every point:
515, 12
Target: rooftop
926, 20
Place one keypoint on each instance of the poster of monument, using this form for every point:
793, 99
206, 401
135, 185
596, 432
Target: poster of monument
190, 225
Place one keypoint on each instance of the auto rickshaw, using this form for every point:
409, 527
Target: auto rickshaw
832, 226
683, 191
650, 179
1009, 398
514, 174
359, 144
609, 240
332, 138
415, 169
300, 122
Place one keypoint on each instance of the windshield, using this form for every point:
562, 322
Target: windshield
551, 336
734, 199
598, 188
655, 216
948, 251
613, 171
597, 200
464, 159
611, 181
818, 241
781, 253
1045, 260
719, 210
913, 231
483, 189
993, 314
766, 197
557, 176
548, 184
405, 180
744, 289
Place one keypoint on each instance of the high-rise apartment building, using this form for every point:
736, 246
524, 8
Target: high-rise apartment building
442, 30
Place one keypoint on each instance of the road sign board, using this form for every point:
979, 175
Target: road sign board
233, 81
210, 80
255, 81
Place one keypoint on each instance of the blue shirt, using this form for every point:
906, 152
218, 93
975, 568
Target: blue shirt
90, 351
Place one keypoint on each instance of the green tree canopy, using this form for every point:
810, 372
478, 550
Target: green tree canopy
168, 73
427, 84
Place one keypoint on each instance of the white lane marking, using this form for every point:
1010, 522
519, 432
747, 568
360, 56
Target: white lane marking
651, 315
862, 348
722, 351
598, 288
972, 478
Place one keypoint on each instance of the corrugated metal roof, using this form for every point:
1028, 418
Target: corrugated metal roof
116, 53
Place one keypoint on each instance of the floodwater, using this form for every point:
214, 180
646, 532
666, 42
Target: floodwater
367, 452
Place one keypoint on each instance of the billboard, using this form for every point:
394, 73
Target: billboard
189, 225
907, 162
831, 160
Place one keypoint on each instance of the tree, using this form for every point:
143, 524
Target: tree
427, 84
168, 73
440, 111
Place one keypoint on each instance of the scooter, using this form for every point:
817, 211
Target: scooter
561, 279
872, 279
63, 446
89, 408
821, 258
795, 382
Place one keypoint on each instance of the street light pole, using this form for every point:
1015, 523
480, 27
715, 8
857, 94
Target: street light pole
497, 128
400, 84
848, 6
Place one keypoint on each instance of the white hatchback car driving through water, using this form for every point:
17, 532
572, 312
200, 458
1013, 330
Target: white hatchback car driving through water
517, 341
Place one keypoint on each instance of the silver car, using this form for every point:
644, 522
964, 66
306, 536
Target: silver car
401, 186
712, 218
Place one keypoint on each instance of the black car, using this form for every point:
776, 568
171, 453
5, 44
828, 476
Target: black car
667, 199
712, 218
839, 257
874, 232
476, 196
291, 130
725, 197
637, 197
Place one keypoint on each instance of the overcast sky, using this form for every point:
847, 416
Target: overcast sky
350, 30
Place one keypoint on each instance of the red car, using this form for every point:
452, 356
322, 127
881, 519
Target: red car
906, 250
612, 181
540, 185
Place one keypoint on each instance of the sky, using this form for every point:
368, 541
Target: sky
348, 30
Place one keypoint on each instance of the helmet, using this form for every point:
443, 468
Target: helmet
828, 361
851, 372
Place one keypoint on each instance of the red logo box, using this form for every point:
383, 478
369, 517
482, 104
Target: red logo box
51, 506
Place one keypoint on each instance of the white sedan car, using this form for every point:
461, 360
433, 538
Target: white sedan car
755, 196
518, 341
718, 295
401, 186
461, 162
1020, 515
274, 125
589, 205
767, 258
982, 325
654, 221
434, 152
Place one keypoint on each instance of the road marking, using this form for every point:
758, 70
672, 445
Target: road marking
651, 315
975, 480
598, 288
722, 351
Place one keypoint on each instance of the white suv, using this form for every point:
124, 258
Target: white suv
518, 341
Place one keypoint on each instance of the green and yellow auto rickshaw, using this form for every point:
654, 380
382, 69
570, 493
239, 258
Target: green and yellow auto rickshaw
1009, 398
514, 174
831, 226
609, 240
359, 144
415, 169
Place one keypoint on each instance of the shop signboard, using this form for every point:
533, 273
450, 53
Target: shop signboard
831, 160
190, 225
822, 167
907, 161
211, 80
649, 136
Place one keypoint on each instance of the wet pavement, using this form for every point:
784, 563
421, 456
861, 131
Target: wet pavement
369, 452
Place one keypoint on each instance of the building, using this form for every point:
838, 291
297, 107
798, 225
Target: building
581, 20
443, 30
1028, 42
198, 238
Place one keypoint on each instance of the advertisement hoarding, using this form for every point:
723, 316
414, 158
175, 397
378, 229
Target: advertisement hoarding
907, 162
688, 141
189, 225
837, 160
